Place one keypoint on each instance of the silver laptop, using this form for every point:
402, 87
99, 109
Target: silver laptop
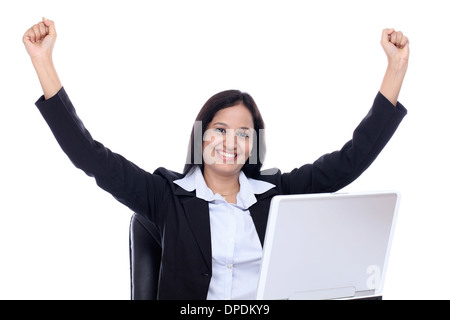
327, 246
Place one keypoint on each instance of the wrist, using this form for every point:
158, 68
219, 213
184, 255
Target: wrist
397, 65
42, 60
393, 80
47, 75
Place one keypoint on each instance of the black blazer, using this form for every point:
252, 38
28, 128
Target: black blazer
183, 219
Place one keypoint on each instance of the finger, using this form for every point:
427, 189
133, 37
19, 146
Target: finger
28, 36
50, 25
393, 38
32, 35
386, 35
37, 32
42, 29
404, 42
399, 38
406, 48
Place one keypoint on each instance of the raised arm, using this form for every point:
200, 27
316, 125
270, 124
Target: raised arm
141, 191
336, 170
396, 47
39, 41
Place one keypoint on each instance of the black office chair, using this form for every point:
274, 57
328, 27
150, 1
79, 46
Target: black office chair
145, 258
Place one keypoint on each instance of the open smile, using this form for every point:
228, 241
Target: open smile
225, 156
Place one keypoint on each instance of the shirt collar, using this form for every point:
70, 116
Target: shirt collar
245, 198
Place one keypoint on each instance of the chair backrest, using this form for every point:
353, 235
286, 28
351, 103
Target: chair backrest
145, 258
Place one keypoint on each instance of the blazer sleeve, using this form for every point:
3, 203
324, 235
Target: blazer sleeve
129, 184
334, 171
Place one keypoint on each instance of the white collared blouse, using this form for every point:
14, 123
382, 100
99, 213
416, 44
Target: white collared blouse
236, 248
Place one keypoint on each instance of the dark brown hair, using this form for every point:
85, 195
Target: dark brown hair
219, 101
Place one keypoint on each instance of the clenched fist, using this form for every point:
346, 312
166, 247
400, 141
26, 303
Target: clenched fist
40, 39
396, 46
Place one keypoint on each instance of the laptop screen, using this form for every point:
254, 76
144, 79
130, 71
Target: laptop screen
327, 246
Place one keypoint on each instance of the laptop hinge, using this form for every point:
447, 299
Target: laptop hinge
326, 294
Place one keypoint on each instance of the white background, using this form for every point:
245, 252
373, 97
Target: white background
138, 72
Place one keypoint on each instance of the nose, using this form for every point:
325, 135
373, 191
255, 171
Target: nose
230, 143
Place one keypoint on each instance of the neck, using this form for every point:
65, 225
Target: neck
225, 185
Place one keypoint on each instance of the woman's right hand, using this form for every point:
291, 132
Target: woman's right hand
40, 39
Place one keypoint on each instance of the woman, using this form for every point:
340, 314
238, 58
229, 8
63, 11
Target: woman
212, 218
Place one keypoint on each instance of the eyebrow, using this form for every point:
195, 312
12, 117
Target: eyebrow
226, 125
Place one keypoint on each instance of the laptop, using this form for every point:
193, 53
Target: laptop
327, 246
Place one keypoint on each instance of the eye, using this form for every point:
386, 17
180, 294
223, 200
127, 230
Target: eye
221, 130
242, 134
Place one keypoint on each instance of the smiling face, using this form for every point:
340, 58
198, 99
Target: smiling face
228, 140
220, 130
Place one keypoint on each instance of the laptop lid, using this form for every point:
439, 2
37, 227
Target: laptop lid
327, 246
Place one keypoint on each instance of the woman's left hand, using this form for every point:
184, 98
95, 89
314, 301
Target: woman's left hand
396, 47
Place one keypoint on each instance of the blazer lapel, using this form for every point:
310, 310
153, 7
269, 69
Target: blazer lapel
197, 214
260, 212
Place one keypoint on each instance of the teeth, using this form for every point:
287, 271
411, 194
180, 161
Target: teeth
226, 154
